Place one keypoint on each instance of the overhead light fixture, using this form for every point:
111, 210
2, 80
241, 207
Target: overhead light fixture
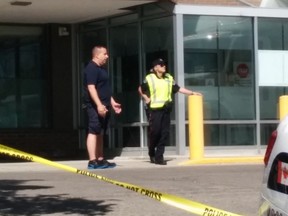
20, 3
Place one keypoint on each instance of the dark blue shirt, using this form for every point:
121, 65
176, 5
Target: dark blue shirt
98, 76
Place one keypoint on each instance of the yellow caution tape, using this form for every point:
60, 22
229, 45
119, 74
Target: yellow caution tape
185, 204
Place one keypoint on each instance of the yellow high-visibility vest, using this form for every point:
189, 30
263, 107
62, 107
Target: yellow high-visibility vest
160, 89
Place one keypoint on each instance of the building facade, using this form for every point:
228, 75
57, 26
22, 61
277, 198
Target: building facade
233, 52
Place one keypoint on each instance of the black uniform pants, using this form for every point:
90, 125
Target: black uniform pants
159, 131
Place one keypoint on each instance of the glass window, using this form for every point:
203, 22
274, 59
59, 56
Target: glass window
158, 8
285, 38
8, 108
129, 136
158, 40
200, 32
93, 26
123, 19
90, 40
228, 135
269, 98
124, 59
126, 137
266, 131
23, 88
271, 34
218, 61
172, 138
7, 59
235, 33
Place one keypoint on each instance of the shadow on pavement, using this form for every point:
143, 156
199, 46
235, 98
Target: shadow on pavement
12, 203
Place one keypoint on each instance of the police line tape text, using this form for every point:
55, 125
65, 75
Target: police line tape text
19, 156
212, 212
146, 192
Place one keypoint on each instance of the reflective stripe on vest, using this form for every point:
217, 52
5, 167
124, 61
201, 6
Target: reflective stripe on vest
160, 89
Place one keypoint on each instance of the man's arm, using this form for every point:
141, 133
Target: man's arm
94, 95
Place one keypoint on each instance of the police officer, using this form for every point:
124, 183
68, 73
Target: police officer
156, 91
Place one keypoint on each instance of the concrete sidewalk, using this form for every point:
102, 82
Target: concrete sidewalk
122, 163
133, 163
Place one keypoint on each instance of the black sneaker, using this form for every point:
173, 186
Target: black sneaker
95, 165
160, 162
152, 159
106, 164
100, 164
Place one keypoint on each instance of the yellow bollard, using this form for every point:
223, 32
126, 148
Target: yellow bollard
195, 119
283, 106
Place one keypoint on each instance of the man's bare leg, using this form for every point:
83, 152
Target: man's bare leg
91, 146
99, 148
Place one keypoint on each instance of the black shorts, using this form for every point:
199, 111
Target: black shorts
97, 124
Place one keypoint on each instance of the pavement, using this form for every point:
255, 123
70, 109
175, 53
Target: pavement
30, 188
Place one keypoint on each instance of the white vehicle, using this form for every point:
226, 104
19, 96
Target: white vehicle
274, 191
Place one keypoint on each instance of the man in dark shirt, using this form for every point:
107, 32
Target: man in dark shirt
98, 101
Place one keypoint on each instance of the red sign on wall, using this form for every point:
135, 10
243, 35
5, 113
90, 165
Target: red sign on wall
242, 70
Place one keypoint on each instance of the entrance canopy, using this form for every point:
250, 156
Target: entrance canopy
62, 11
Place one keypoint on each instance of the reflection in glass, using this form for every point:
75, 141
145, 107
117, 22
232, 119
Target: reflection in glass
200, 32
218, 61
158, 42
269, 97
124, 18
126, 137
271, 34
94, 25
8, 105
125, 70
7, 62
172, 139
266, 131
90, 40
228, 135
130, 137
162, 8
23, 88
29, 103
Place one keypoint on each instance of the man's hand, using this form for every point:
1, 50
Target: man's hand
102, 110
116, 106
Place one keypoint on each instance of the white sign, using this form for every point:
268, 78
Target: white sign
273, 68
